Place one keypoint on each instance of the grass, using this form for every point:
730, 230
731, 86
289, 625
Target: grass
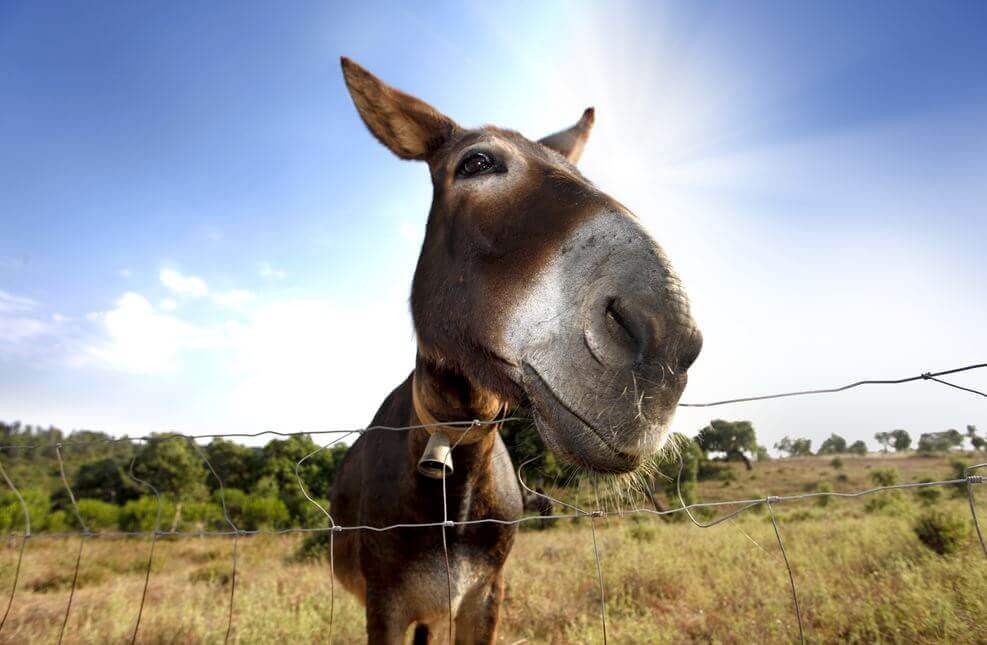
862, 576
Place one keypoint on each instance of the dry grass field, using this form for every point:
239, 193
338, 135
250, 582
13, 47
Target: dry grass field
862, 576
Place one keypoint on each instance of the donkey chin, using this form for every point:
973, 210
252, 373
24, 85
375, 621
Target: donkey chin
607, 434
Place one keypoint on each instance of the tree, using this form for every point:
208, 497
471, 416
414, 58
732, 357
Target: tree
104, 480
940, 441
858, 447
901, 440
173, 466
798, 447
525, 444
686, 455
238, 465
835, 445
734, 438
884, 440
978, 443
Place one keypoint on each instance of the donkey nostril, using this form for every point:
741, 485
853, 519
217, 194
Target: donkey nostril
617, 326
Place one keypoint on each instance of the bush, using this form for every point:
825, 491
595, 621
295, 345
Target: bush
928, 495
202, 516
264, 512
885, 476
942, 532
141, 514
836, 463
824, 500
97, 515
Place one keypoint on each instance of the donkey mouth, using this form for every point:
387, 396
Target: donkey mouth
568, 433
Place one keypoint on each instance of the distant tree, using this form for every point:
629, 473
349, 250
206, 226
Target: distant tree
525, 444
835, 445
900, 440
172, 465
858, 447
883, 439
104, 480
734, 438
762, 454
238, 465
978, 442
940, 441
686, 455
798, 447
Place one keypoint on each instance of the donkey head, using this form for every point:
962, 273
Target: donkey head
535, 286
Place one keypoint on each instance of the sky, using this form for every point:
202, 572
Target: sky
197, 234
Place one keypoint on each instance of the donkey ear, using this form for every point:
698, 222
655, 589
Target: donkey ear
570, 142
409, 127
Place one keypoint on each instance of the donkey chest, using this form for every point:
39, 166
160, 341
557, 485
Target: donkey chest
428, 582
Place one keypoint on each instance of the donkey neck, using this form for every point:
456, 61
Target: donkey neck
441, 397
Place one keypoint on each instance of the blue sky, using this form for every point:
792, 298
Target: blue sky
197, 233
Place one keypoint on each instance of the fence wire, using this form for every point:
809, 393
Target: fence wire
737, 507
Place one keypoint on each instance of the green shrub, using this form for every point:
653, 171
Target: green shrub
888, 503
928, 495
942, 532
842, 478
824, 500
96, 513
885, 476
12, 513
140, 514
836, 463
202, 516
264, 512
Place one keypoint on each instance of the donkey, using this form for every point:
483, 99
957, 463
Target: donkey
534, 290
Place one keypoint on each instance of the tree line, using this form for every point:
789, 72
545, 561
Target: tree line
174, 484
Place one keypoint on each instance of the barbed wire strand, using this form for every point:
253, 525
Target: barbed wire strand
970, 480
150, 553
958, 387
332, 527
20, 553
931, 376
924, 376
82, 541
236, 536
788, 566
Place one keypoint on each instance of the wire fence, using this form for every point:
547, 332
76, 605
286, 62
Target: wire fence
737, 507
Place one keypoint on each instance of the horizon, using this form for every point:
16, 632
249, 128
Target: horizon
200, 235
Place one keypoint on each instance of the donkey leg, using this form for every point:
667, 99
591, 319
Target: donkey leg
386, 622
478, 618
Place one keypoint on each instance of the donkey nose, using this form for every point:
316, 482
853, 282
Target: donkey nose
636, 331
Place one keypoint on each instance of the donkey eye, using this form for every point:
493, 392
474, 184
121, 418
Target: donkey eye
475, 164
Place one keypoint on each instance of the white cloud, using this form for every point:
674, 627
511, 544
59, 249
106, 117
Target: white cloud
234, 298
183, 285
142, 340
268, 271
17, 323
309, 363
168, 304
10, 303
